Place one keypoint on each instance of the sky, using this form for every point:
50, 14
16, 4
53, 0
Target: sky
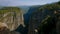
25, 2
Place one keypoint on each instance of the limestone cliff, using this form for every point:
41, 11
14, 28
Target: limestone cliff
12, 16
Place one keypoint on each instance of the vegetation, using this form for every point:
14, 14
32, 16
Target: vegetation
51, 6
49, 25
46, 18
9, 9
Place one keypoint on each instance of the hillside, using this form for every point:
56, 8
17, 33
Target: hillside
12, 16
41, 16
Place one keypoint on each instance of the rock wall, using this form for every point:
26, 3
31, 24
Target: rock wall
12, 16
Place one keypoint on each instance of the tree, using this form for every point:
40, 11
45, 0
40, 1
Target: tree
48, 26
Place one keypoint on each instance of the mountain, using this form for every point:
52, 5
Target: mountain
42, 16
47, 9
24, 9
12, 16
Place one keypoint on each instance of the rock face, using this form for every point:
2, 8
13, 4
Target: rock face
40, 16
4, 29
12, 16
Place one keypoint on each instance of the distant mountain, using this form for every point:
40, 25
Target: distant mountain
24, 9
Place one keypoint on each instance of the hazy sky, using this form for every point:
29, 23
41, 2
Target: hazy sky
24, 2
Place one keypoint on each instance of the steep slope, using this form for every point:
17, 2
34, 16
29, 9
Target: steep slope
30, 11
12, 16
41, 14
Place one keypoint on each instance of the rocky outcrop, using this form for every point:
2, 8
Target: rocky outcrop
40, 16
12, 16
